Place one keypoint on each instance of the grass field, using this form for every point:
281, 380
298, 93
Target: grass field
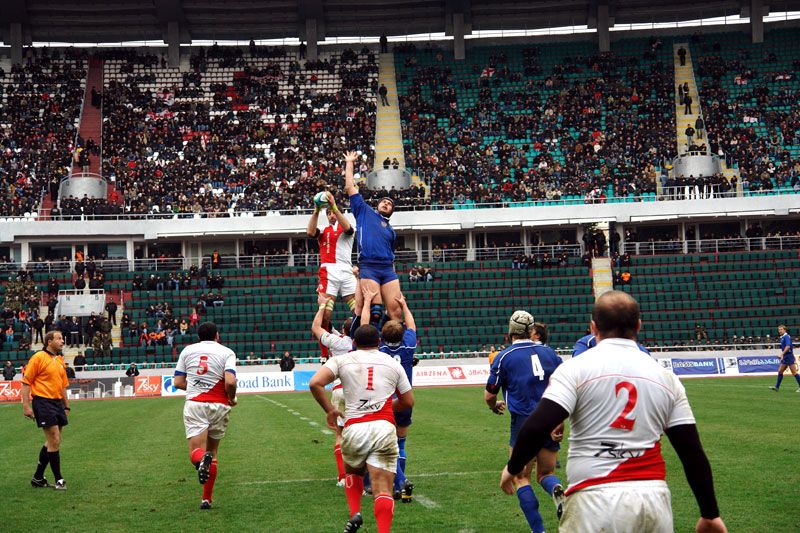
126, 465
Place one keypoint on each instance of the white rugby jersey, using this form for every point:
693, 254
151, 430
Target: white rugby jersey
369, 379
204, 364
620, 401
337, 344
336, 246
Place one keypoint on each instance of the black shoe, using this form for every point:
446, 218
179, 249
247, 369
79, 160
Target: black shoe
204, 467
40, 483
405, 494
558, 498
205, 504
60, 485
397, 495
354, 523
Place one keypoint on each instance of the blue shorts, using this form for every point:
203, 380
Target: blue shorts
517, 421
788, 359
403, 418
381, 273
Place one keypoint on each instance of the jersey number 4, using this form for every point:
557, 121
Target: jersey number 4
621, 421
538, 370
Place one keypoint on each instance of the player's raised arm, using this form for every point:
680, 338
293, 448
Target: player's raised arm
316, 324
343, 222
313, 229
408, 317
349, 181
369, 294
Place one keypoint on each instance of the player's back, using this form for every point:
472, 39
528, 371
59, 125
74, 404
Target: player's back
620, 401
369, 379
523, 370
204, 364
403, 352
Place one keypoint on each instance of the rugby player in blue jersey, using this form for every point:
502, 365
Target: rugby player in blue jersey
376, 242
587, 342
399, 341
523, 370
787, 358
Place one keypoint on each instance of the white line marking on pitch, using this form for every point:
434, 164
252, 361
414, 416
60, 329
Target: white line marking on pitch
425, 501
415, 476
311, 423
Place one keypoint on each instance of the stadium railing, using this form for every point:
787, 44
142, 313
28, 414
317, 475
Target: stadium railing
736, 244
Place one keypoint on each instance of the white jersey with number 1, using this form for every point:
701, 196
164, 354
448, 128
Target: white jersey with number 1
204, 364
620, 402
369, 379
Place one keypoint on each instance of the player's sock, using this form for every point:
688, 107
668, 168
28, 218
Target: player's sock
797, 378
208, 487
337, 452
548, 483
353, 487
55, 464
44, 460
384, 512
400, 476
196, 456
367, 482
530, 507
351, 304
778, 384
375, 314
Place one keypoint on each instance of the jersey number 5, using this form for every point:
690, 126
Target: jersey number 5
621, 422
202, 367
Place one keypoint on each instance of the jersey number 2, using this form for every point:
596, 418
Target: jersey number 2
202, 367
621, 422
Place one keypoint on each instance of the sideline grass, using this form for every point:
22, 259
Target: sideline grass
126, 465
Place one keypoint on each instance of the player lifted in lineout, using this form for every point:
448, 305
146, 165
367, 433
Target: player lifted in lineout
369, 441
335, 258
337, 344
376, 243
207, 372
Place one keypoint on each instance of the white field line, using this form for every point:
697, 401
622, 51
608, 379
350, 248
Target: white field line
313, 424
415, 476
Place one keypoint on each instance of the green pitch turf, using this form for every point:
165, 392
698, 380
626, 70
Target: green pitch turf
126, 465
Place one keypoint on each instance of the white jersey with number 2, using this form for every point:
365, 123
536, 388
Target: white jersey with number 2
204, 364
620, 401
369, 379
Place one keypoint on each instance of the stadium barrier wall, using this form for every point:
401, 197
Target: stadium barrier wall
443, 372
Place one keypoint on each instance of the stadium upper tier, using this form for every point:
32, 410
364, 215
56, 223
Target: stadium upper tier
749, 94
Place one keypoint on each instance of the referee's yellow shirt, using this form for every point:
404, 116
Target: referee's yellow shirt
46, 375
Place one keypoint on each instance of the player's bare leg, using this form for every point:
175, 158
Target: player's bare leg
203, 454
382, 482
390, 292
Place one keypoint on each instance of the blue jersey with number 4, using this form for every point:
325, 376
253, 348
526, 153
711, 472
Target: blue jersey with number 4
522, 370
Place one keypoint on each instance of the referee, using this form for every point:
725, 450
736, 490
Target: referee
45, 380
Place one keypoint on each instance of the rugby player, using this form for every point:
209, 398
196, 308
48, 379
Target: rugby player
787, 358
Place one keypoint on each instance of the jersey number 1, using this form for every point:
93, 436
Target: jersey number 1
202, 367
621, 422
370, 374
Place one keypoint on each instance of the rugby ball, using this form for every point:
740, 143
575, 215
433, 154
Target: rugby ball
321, 199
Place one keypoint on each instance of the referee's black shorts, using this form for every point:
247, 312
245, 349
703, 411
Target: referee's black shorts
49, 412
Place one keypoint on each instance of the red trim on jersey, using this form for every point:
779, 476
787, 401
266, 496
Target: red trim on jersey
323, 280
339, 386
328, 241
216, 394
385, 413
647, 467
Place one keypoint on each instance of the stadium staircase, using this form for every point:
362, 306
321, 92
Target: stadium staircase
91, 126
602, 280
685, 74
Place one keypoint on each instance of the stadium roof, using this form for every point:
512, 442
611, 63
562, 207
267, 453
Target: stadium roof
104, 21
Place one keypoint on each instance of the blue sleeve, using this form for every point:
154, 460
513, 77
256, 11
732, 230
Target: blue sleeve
357, 204
579, 348
410, 339
495, 381
179, 373
643, 349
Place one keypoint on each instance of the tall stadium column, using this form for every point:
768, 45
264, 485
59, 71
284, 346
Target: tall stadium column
757, 21
15, 38
458, 37
130, 254
388, 133
312, 34
603, 25
173, 44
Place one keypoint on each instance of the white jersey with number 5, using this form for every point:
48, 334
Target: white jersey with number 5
620, 401
369, 379
204, 364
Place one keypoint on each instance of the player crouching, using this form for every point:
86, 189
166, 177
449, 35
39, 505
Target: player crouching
369, 441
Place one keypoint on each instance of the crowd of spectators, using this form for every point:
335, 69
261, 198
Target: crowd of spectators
72, 208
260, 142
38, 133
544, 260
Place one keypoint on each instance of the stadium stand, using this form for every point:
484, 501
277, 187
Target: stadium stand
524, 124
749, 97
244, 130
41, 102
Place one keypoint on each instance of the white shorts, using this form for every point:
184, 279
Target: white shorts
337, 399
372, 443
336, 280
201, 416
624, 507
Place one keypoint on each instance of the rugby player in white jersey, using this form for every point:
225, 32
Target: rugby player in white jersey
619, 401
335, 259
369, 440
337, 344
207, 372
